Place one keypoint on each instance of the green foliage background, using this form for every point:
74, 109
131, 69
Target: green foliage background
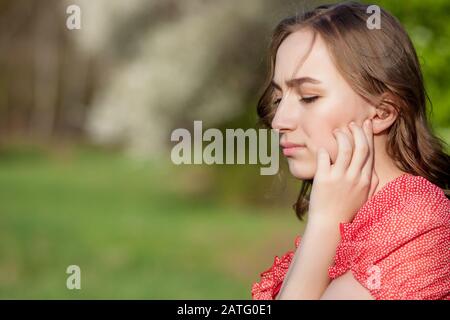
427, 23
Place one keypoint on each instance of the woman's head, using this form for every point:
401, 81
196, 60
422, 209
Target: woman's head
312, 99
328, 68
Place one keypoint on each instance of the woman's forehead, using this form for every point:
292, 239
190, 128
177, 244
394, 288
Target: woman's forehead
302, 54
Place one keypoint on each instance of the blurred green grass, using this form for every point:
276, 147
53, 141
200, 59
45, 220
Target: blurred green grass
138, 230
132, 235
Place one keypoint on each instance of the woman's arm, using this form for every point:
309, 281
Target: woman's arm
338, 191
346, 287
307, 277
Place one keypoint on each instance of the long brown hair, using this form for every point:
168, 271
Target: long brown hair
374, 62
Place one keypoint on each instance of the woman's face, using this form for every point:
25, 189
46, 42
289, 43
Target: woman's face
315, 104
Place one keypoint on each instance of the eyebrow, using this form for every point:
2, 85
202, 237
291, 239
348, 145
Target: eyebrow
296, 82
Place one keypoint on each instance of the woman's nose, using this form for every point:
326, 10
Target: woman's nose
284, 119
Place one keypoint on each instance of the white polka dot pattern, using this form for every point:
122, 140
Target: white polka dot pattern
400, 236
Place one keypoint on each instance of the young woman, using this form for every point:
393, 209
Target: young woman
350, 105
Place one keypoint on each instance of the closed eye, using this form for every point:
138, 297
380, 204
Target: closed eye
309, 99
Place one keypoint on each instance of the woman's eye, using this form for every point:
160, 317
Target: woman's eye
309, 99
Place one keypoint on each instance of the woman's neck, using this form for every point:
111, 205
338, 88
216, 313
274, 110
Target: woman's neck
384, 165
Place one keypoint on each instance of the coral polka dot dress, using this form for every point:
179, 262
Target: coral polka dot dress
397, 246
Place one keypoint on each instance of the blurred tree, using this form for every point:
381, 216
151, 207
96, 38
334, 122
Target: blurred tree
138, 69
201, 61
45, 81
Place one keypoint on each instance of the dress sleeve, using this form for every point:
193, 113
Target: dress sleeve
272, 279
406, 255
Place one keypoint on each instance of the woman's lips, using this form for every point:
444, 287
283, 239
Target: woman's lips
290, 148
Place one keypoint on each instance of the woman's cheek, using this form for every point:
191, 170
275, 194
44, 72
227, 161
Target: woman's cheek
331, 149
325, 139
330, 117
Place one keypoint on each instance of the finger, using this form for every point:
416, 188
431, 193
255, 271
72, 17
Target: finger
368, 167
361, 149
346, 131
344, 154
323, 161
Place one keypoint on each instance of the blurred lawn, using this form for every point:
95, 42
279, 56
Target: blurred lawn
130, 234
131, 228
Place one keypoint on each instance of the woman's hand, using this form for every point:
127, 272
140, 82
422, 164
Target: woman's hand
339, 190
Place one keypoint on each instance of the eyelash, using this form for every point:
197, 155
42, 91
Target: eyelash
305, 100
309, 99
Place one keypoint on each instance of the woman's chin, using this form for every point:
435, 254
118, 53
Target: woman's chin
301, 170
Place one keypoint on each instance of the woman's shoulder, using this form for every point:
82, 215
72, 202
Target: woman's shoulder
420, 189
421, 212
404, 202
421, 202
402, 235
409, 188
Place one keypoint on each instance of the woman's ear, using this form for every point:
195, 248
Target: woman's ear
385, 113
